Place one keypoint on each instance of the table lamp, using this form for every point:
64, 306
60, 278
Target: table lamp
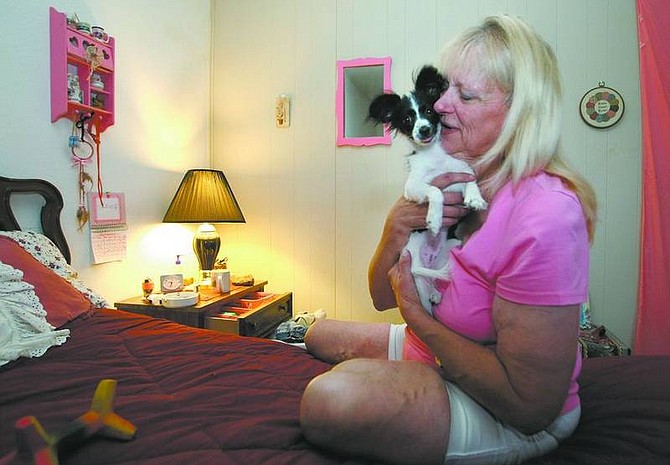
204, 196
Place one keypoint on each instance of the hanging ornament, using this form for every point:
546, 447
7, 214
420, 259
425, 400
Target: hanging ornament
82, 211
601, 107
82, 154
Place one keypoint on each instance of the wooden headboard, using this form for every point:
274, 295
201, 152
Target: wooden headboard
50, 215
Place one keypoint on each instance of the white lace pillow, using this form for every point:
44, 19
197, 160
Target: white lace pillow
24, 330
46, 252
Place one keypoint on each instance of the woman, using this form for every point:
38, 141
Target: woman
500, 358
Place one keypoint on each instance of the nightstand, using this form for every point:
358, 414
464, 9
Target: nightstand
245, 310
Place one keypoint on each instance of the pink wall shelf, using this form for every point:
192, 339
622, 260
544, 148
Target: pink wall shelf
69, 56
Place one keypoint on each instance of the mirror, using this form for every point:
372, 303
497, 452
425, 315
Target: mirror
358, 82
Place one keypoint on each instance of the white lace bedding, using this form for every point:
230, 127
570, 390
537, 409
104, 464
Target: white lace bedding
24, 330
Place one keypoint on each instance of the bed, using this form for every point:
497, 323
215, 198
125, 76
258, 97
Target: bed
202, 397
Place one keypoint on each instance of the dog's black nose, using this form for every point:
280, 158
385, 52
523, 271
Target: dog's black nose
426, 131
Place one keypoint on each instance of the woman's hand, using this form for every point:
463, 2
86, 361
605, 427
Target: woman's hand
453, 209
403, 218
404, 289
406, 216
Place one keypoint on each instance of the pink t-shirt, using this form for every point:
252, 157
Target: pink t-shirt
533, 249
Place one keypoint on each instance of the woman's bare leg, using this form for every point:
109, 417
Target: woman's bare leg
397, 412
335, 341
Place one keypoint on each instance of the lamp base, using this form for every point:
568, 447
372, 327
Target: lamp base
206, 245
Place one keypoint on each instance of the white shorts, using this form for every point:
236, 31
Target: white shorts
476, 437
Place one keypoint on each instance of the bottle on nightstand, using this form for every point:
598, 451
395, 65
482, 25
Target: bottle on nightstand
147, 287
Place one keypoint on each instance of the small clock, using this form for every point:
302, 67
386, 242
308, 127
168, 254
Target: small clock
172, 283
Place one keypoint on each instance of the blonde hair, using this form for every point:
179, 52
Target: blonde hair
513, 56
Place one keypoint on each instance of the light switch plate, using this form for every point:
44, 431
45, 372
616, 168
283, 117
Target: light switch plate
282, 111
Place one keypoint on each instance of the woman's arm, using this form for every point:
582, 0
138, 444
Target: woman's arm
406, 216
524, 379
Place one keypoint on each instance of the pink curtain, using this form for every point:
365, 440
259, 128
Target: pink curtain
652, 335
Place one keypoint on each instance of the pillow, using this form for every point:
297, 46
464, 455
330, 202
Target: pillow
46, 252
61, 301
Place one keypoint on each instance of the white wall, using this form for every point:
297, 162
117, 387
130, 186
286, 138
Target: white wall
315, 211
161, 130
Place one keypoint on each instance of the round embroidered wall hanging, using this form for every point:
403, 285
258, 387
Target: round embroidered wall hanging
601, 107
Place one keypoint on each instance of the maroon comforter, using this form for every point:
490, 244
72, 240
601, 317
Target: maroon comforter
200, 397
196, 396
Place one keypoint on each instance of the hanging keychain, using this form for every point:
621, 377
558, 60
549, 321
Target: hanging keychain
96, 138
82, 154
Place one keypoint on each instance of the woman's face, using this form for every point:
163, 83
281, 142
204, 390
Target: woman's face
472, 111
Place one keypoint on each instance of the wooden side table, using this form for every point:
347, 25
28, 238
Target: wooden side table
245, 310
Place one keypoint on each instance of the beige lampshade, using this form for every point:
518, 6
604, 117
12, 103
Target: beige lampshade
204, 196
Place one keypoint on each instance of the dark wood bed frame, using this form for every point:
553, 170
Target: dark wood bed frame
50, 215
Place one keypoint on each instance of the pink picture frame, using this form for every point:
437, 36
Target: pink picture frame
112, 212
359, 80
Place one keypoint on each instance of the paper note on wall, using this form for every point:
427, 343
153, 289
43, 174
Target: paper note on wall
109, 236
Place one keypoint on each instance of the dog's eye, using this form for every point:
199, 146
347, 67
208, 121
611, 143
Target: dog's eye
429, 111
407, 120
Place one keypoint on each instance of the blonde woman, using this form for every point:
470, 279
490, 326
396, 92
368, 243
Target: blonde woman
492, 377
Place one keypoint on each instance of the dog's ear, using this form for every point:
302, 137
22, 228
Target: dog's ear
430, 82
382, 107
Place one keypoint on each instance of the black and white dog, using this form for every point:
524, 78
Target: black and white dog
413, 115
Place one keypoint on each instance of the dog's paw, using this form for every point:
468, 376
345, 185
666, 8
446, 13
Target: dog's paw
476, 203
434, 225
434, 217
435, 297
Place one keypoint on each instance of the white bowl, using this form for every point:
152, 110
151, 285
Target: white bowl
179, 299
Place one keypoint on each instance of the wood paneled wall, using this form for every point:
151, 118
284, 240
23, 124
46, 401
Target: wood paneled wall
315, 211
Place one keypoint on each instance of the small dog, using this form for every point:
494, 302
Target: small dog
413, 115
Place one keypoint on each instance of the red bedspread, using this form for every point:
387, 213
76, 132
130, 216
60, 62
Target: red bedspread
201, 397
196, 396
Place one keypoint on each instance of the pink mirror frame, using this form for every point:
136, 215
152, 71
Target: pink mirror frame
342, 65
